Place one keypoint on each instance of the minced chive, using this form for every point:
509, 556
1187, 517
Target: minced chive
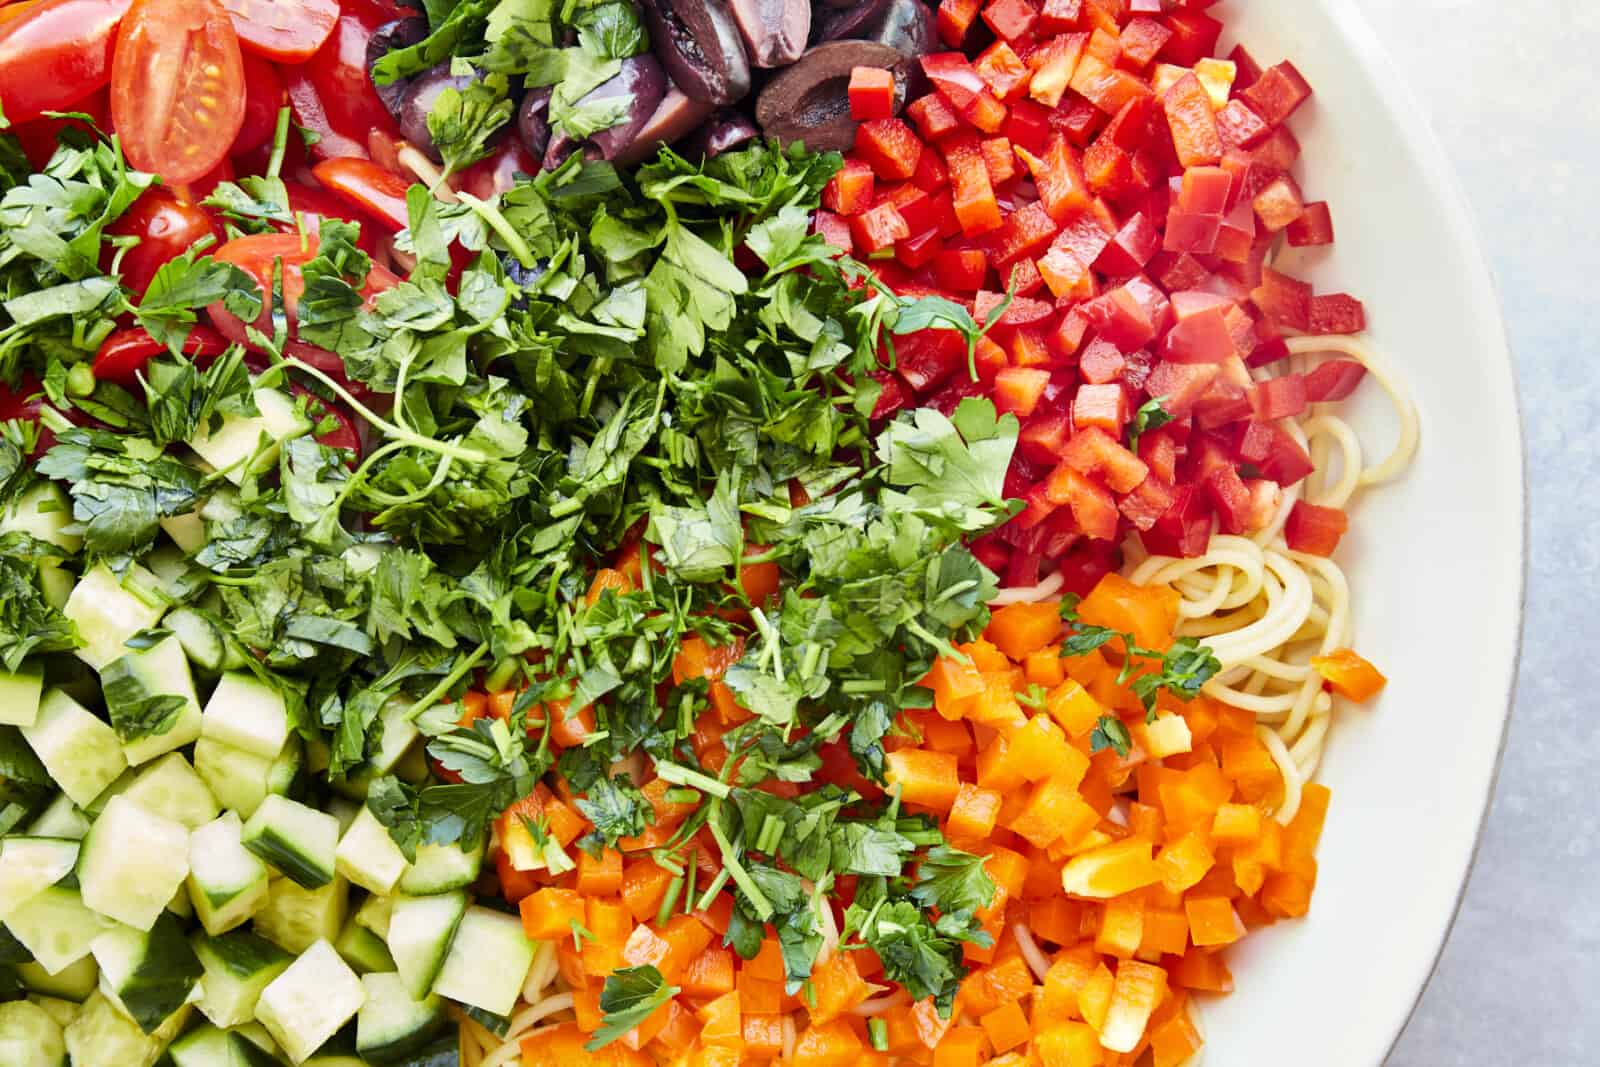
670, 901
741, 877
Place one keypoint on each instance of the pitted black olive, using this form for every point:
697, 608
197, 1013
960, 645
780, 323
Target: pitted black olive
533, 121
698, 43
723, 132
838, 22
418, 101
401, 33
643, 77
774, 31
676, 116
904, 25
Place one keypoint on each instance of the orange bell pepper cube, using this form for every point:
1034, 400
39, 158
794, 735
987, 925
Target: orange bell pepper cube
645, 947
1069, 1045
1139, 990
926, 778
644, 886
1121, 926
832, 1044
1349, 675
1071, 705
599, 877
1006, 1026
720, 1021
1300, 837
963, 1046
1287, 895
976, 207
1048, 811
955, 684
709, 974
1019, 629
1203, 970
549, 913
1174, 1041
1236, 824
973, 813
836, 986
1212, 921
1111, 870
1166, 933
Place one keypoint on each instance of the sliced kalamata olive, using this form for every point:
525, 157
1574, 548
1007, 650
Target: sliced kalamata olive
641, 76
775, 31
676, 116
904, 25
810, 101
401, 33
533, 121
722, 132
698, 43
418, 101
848, 21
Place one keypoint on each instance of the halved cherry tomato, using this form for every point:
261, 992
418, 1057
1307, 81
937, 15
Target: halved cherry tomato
312, 203
497, 172
339, 72
55, 53
310, 113
288, 31
380, 193
123, 355
177, 87
39, 138
166, 228
263, 97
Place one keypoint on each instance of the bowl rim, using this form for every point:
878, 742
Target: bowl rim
1407, 112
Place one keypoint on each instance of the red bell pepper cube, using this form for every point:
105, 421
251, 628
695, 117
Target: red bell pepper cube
1240, 127
986, 112
1159, 451
1279, 398
1275, 454
1000, 159
928, 357
1092, 506
879, 227
1054, 64
1028, 125
919, 250
1315, 530
1277, 93
1236, 240
1142, 39
975, 203
1079, 121
1060, 16
953, 77
1030, 349
1194, 37
1102, 406
1334, 380
989, 359
1279, 204
1095, 449
934, 116
1067, 277
1337, 313
931, 175
1103, 43
1022, 311
1063, 189
1106, 87
1247, 69
1002, 70
850, 191
1011, 19
1192, 234
1043, 436
1131, 248
835, 229
890, 147
1110, 169
962, 270
1148, 501
1193, 123
871, 93
1314, 226
1085, 236
1231, 498
1181, 385
1278, 151
1018, 389
1027, 231
1283, 300
1200, 338
955, 18
891, 395
1024, 278
1178, 271
1204, 191
1223, 405
1101, 362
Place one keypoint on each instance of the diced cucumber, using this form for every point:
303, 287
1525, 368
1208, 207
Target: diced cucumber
295, 917
241, 781
180, 904
82, 753
227, 882
248, 714
133, 861
12, 951
238, 965
207, 1046
180, 579
101, 1036
375, 913
244, 444
393, 1025
131, 680
57, 927
29, 866
345, 810
29, 1037
149, 976
298, 840
188, 530
62, 1011
60, 819
169, 787
257, 1035
368, 856
19, 696
75, 982
444, 1052
307, 1004
202, 642
421, 930
56, 583
488, 961
44, 513
396, 735
441, 868
123, 783
107, 612
362, 949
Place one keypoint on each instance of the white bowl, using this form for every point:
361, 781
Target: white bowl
1435, 563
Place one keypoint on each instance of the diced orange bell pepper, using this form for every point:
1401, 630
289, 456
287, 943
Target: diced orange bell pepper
644, 886
1054, 919
1094, 997
1212, 921
709, 974
1020, 629
1236, 824
1349, 675
1048, 810
645, 947
599, 877
1139, 990
549, 913
836, 986
1069, 1045
720, 1020
1111, 870
973, 813
763, 1034
1174, 1041
1301, 836
1121, 926
1166, 933
955, 684
1149, 613
1287, 895
1043, 667
1070, 705
926, 778
963, 1046
1203, 970
832, 1044
686, 937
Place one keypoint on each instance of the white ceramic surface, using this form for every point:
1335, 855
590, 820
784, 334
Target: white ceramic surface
1436, 564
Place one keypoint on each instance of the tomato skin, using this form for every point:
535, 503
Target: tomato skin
123, 354
55, 54
166, 228
177, 87
38, 138
339, 73
312, 204
497, 172
288, 31
306, 100
263, 96
378, 192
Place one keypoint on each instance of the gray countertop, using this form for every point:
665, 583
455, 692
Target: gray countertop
1511, 90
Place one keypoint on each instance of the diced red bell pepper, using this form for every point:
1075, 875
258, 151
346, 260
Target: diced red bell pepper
975, 203
1240, 127
1067, 337
1333, 380
1101, 362
835, 229
879, 227
1103, 43
986, 112
1278, 151
1084, 235
871, 93
1131, 248
1020, 312
955, 18
1179, 271
850, 191
1030, 349
1142, 39
1093, 508
1192, 234
1203, 337
1063, 189
1192, 122
1018, 389
1222, 405
1054, 64
1096, 450
1028, 125
931, 175
1002, 70
1067, 277
1000, 159
1011, 19
1102, 406
1315, 530
1337, 313
934, 116
1185, 529
1194, 36
989, 359
1279, 204
891, 395
1159, 451
1231, 498
1204, 191
1279, 398
1131, 315
1148, 501
1043, 436
1236, 237
962, 270
1060, 16
953, 77
1314, 226
1275, 454
925, 359
1180, 386
1283, 300
1026, 232
1106, 87
889, 147
918, 250
1277, 93
1247, 70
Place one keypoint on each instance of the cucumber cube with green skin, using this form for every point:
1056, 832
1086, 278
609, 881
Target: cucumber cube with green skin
307, 1004
363, 950
248, 714
82, 753
44, 513
133, 861
57, 928
441, 868
61, 818
368, 856
421, 930
295, 917
227, 882
150, 673
207, 1046
298, 840
29, 1037
74, 983
107, 612
29, 866
488, 962
392, 1025
375, 913
20, 694
238, 966
188, 531
242, 444
170, 787
149, 976
103, 1035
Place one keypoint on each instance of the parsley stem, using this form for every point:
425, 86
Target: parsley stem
677, 774
458, 672
669, 902
710, 895
497, 222
389, 429
741, 877
280, 143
